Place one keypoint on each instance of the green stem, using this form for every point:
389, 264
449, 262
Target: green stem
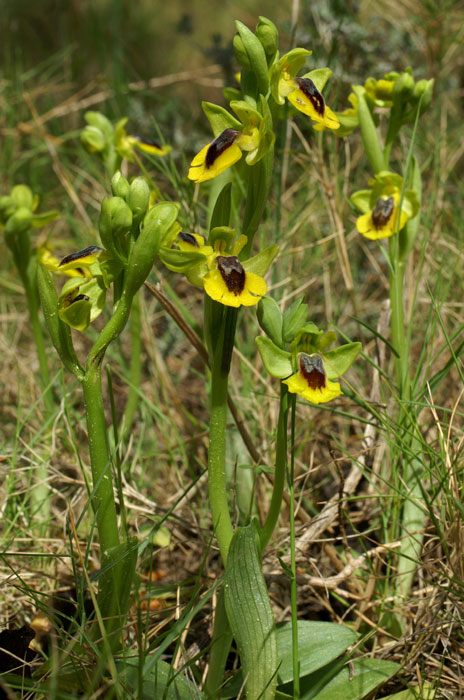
30, 287
220, 647
397, 324
280, 470
217, 480
135, 376
293, 591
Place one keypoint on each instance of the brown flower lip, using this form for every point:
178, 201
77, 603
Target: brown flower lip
232, 273
188, 238
219, 145
307, 86
382, 211
147, 142
80, 254
312, 369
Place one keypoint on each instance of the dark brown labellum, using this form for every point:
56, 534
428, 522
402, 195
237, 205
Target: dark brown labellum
72, 257
382, 211
188, 238
312, 369
219, 145
307, 86
232, 273
81, 297
147, 142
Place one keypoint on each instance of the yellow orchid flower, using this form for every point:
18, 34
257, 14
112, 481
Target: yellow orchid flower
222, 153
230, 284
311, 382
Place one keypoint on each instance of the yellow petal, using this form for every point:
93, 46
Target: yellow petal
216, 157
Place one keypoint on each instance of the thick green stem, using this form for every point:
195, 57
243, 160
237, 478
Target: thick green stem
102, 498
220, 647
135, 376
280, 470
217, 480
293, 591
32, 295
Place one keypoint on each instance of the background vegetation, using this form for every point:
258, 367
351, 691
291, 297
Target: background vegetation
155, 62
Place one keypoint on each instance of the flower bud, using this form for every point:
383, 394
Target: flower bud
240, 52
138, 198
115, 220
23, 197
19, 222
7, 207
267, 33
119, 185
93, 139
156, 224
404, 86
424, 88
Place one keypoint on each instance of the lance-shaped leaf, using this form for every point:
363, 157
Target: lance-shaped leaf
60, 333
369, 134
294, 319
250, 615
250, 46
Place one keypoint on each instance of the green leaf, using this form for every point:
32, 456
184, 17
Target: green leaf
261, 262
270, 319
338, 361
354, 682
319, 643
221, 211
425, 692
277, 362
219, 118
60, 332
256, 57
369, 134
250, 615
162, 681
294, 319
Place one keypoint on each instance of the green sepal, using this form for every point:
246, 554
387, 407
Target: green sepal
249, 613
121, 143
222, 233
268, 35
179, 260
362, 200
219, 118
338, 361
294, 319
319, 76
369, 133
81, 302
256, 57
260, 263
60, 333
155, 226
108, 268
326, 340
277, 362
7, 207
253, 119
270, 319
39, 220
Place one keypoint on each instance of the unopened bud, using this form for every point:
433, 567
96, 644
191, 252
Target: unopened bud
119, 185
267, 33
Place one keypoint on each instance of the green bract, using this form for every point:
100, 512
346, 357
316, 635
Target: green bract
270, 319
